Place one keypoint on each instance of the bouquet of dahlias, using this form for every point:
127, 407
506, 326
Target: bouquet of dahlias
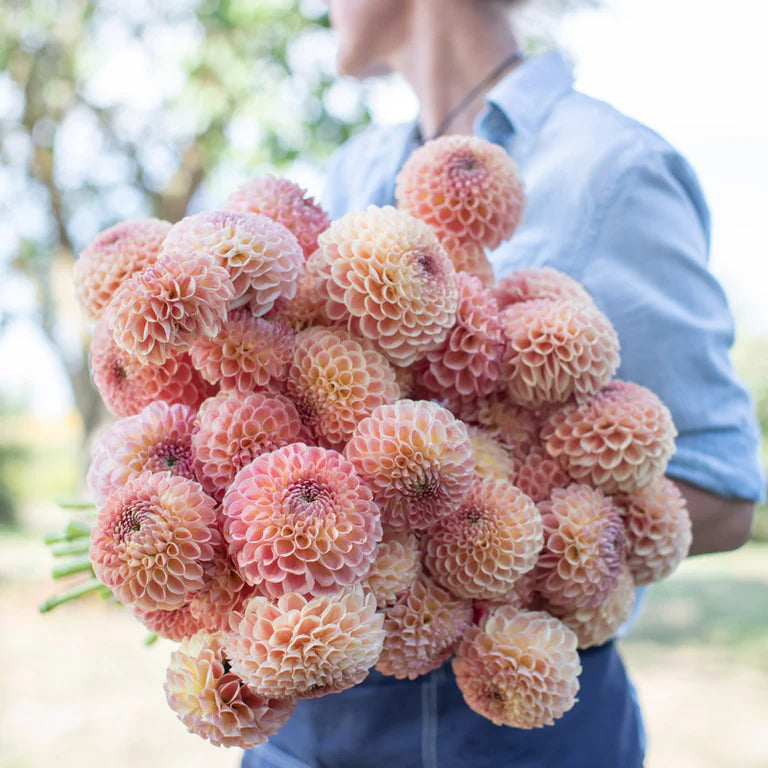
342, 445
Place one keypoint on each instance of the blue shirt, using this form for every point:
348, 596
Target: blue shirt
614, 206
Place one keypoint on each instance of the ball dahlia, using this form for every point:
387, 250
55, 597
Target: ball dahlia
520, 668
417, 458
482, 548
619, 440
595, 626
299, 519
397, 564
336, 381
158, 439
305, 308
583, 547
285, 202
538, 283
468, 363
263, 259
386, 276
539, 474
112, 257
213, 702
658, 529
161, 310
248, 353
557, 349
152, 539
422, 628
464, 187
172, 625
468, 257
236, 427
126, 386
306, 647
492, 460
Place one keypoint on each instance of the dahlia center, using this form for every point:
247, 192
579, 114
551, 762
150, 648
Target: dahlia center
309, 498
130, 520
423, 487
425, 262
174, 457
118, 371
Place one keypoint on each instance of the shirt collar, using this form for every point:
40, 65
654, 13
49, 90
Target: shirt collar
521, 101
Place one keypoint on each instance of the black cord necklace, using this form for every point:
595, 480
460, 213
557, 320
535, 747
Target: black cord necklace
473, 93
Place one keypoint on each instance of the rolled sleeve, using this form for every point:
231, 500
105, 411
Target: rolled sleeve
646, 266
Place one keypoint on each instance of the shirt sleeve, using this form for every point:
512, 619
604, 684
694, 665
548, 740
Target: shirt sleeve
646, 266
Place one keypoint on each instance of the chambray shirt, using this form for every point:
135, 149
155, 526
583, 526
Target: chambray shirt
614, 206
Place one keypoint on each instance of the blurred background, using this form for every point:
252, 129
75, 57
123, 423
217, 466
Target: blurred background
112, 110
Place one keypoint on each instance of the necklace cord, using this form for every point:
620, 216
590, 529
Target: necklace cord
470, 96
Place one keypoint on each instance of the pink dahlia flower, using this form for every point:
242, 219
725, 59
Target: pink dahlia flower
299, 519
464, 187
305, 647
619, 440
112, 257
161, 310
520, 668
248, 353
127, 386
468, 257
557, 350
263, 259
213, 702
492, 460
658, 529
235, 428
482, 548
418, 460
285, 202
538, 283
158, 439
422, 628
539, 474
336, 381
397, 564
386, 276
152, 539
172, 625
583, 547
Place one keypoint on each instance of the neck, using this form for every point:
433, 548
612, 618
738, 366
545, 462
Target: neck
452, 45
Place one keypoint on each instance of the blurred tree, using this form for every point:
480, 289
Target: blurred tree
112, 110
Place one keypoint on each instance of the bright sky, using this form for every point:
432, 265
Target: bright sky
694, 70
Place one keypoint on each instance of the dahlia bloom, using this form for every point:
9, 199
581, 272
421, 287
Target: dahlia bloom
468, 363
619, 440
285, 202
299, 519
172, 625
236, 427
539, 474
557, 350
658, 529
464, 187
112, 257
263, 259
583, 547
416, 457
422, 628
397, 564
126, 386
482, 548
213, 702
538, 283
386, 276
520, 668
336, 381
157, 439
305, 308
595, 626
152, 539
161, 310
306, 647
248, 353
492, 460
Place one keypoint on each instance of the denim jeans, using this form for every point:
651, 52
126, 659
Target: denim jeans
424, 723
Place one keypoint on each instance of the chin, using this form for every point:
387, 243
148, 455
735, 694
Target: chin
350, 65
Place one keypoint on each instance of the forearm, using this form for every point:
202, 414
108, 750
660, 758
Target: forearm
719, 524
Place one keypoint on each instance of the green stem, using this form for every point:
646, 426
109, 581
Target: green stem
76, 547
75, 565
75, 504
150, 639
92, 585
75, 529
